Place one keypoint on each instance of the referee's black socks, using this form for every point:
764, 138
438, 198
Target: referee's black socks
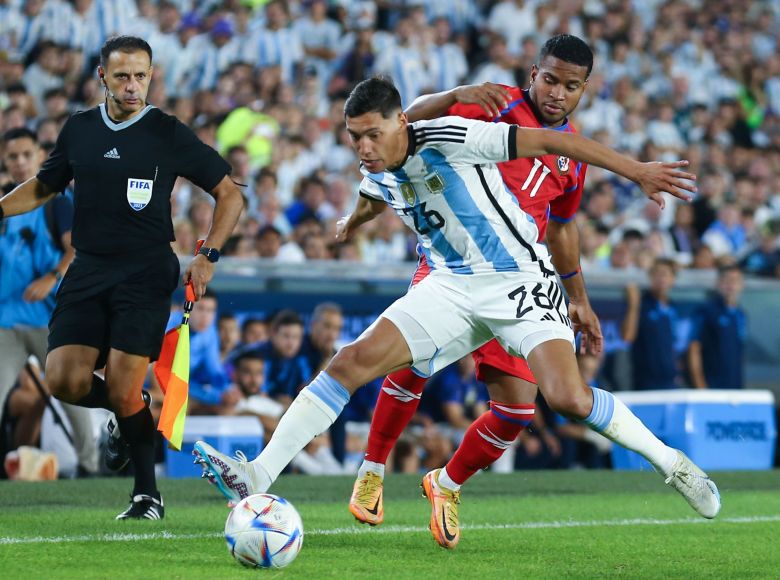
97, 398
139, 433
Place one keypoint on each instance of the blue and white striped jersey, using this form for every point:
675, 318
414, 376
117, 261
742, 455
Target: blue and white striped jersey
450, 192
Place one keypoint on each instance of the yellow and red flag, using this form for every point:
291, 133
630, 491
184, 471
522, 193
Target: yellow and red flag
172, 370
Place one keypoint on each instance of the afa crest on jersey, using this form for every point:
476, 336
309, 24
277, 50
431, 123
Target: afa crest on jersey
434, 182
563, 165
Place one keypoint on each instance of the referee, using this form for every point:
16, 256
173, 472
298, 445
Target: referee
114, 301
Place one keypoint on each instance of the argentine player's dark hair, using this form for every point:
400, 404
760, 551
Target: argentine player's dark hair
374, 95
19, 133
570, 49
123, 44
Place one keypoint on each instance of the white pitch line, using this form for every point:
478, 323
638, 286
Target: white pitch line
165, 535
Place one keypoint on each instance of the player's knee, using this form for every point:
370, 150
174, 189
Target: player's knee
569, 400
125, 404
351, 366
66, 384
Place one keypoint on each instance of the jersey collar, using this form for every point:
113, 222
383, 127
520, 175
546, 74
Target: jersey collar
124, 124
538, 115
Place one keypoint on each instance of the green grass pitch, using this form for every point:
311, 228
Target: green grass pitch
524, 525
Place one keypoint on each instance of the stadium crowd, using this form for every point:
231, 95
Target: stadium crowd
265, 83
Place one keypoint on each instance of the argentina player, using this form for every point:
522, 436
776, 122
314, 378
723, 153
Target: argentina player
490, 279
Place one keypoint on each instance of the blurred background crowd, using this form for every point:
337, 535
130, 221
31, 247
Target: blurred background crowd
264, 82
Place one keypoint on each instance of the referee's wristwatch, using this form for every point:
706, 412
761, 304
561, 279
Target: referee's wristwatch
212, 254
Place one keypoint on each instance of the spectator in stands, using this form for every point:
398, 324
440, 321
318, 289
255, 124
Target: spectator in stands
22, 412
249, 398
268, 242
650, 327
446, 61
45, 74
229, 334
312, 201
253, 330
357, 64
726, 235
320, 38
404, 62
36, 252
716, 351
277, 43
286, 369
682, 235
764, 260
319, 346
208, 382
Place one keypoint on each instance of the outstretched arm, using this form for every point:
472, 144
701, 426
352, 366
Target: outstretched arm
366, 210
30, 195
654, 178
490, 96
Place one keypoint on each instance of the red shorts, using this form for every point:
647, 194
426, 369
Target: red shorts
490, 354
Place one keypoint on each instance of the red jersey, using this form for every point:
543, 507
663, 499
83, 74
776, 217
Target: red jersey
546, 187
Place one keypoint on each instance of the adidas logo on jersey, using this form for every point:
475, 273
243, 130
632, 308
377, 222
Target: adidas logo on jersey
113, 154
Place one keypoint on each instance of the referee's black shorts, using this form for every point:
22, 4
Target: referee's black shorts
128, 311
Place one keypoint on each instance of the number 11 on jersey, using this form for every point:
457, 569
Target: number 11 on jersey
530, 178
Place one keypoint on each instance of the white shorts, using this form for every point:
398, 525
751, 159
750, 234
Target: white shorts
446, 316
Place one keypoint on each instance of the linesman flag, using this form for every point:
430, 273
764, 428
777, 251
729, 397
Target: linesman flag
172, 370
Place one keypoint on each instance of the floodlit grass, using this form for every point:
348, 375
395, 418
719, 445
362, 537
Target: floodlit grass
523, 525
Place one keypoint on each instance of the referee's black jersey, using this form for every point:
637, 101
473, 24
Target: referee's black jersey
124, 174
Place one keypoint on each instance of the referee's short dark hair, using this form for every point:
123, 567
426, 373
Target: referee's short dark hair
568, 48
123, 44
19, 133
375, 95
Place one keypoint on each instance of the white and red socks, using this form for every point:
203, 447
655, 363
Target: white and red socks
486, 440
396, 405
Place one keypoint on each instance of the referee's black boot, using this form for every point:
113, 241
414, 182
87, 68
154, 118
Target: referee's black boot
117, 452
144, 507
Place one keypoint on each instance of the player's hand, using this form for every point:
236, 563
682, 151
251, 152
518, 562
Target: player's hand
586, 322
40, 288
657, 178
200, 271
343, 232
491, 97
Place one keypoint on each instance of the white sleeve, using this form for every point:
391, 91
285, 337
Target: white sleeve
469, 141
370, 190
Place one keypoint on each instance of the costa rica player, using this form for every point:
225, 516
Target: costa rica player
548, 188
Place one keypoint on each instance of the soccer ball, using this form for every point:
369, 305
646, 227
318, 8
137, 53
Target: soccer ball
264, 531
